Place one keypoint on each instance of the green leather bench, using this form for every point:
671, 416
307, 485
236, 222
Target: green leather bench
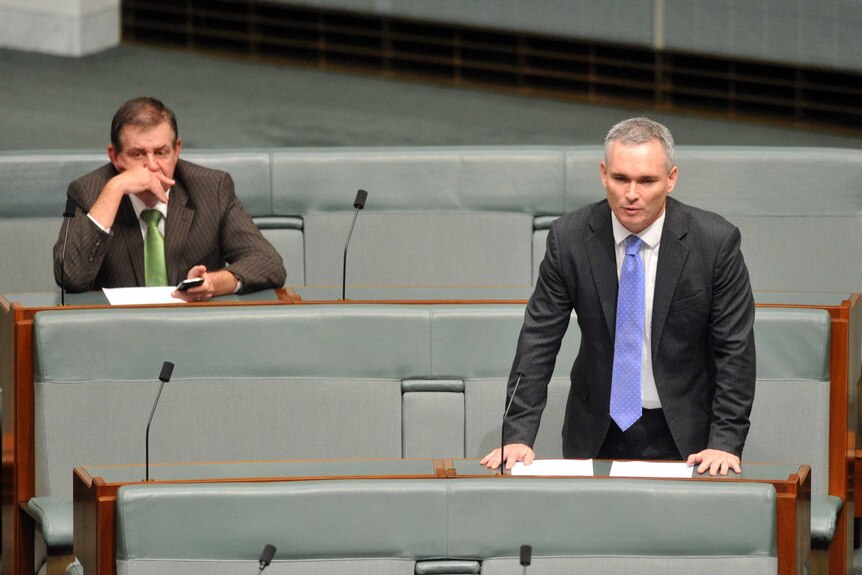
301, 382
448, 526
472, 215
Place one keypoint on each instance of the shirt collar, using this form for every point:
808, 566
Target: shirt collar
651, 236
139, 206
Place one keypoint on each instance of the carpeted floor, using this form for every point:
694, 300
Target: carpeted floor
51, 102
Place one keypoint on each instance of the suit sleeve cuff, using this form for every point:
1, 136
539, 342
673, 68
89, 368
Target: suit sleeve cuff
100, 226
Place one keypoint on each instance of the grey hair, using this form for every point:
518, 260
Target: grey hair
640, 131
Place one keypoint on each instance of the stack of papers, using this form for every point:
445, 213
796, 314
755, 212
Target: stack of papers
567, 467
584, 468
141, 295
651, 469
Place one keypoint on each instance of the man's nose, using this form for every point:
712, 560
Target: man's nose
631, 191
151, 162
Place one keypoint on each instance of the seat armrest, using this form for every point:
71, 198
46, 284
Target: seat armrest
54, 516
824, 516
446, 567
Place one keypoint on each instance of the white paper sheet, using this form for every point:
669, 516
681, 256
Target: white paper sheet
650, 469
140, 295
567, 467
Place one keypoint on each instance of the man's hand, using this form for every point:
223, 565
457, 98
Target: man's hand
514, 452
717, 462
148, 184
221, 282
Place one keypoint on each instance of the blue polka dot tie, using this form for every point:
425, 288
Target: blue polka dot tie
628, 342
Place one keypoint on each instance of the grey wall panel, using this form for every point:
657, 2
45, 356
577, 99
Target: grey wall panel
625, 21
808, 32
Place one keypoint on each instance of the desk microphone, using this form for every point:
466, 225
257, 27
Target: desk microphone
164, 376
526, 556
68, 214
520, 373
266, 556
358, 203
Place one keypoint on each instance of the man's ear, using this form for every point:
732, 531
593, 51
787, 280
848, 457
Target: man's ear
671, 179
112, 155
603, 173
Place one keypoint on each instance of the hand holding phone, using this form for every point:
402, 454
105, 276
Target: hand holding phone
187, 284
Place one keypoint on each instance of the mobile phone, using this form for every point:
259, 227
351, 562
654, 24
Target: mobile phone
190, 283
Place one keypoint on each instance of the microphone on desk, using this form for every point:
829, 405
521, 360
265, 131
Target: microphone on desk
68, 214
266, 556
526, 556
358, 203
520, 373
164, 377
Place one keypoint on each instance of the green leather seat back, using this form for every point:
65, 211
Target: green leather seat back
434, 216
790, 415
384, 526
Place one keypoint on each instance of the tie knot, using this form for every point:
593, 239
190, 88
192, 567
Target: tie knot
633, 245
151, 217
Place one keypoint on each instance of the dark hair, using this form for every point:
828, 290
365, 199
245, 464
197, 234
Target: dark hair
142, 113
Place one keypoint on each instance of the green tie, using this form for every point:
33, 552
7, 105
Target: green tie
155, 272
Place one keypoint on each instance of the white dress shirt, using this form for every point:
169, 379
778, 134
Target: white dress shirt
651, 237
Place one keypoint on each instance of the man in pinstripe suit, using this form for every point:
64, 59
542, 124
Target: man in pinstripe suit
207, 232
697, 364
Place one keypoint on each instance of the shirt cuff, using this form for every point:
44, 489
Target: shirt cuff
101, 227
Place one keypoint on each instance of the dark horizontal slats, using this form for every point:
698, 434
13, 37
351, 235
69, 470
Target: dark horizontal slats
514, 61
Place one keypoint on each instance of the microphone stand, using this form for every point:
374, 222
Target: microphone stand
68, 214
358, 203
164, 376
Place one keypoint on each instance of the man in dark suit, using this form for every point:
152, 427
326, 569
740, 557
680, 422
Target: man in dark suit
205, 231
694, 361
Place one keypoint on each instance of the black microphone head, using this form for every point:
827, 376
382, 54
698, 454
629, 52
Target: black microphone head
359, 202
267, 555
526, 555
69, 212
167, 370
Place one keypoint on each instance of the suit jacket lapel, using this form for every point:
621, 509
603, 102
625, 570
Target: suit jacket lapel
177, 225
130, 229
603, 262
671, 260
